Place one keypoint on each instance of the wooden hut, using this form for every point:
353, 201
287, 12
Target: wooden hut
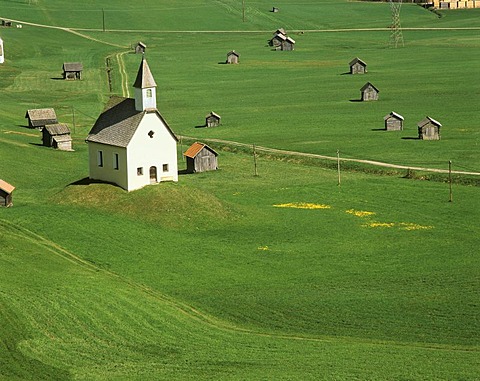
288, 44
6, 194
57, 136
393, 122
369, 92
201, 158
40, 117
212, 120
277, 39
275, 10
232, 57
140, 48
6, 23
72, 70
357, 66
429, 129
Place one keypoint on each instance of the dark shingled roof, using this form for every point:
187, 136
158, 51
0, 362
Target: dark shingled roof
367, 85
72, 66
144, 76
57, 129
429, 120
118, 122
41, 116
355, 60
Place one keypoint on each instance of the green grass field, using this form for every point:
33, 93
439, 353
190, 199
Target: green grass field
226, 275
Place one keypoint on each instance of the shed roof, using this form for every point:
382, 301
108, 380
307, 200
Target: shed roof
62, 138
280, 30
394, 115
215, 115
57, 129
6, 187
233, 52
428, 120
142, 44
117, 124
72, 66
290, 39
144, 76
367, 85
280, 36
355, 60
195, 149
41, 114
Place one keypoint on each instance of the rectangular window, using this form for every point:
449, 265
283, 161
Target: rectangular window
140, 171
165, 167
115, 161
149, 93
100, 158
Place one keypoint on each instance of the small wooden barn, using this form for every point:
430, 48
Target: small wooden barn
201, 158
277, 39
357, 66
40, 117
6, 23
212, 119
393, 122
72, 70
140, 48
275, 10
369, 92
232, 57
429, 129
57, 136
288, 44
6, 193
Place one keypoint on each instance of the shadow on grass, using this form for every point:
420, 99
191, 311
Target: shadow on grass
379, 129
356, 100
411, 138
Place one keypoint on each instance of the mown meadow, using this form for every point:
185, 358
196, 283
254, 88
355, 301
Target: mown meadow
227, 275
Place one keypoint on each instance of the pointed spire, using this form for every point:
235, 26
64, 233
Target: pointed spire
144, 76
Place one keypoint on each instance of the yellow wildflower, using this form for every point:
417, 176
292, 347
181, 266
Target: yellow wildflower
302, 205
360, 213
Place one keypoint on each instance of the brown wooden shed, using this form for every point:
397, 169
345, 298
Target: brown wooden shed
40, 117
6, 190
72, 70
232, 57
6, 23
369, 92
393, 122
288, 44
429, 129
140, 48
201, 158
357, 66
275, 10
57, 136
277, 39
212, 119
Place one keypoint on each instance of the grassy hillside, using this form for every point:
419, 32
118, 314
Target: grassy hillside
227, 275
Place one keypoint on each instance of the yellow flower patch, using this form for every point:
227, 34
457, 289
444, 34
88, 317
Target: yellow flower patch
379, 225
302, 205
412, 226
264, 248
360, 213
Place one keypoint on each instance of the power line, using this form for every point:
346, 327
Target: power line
396, 36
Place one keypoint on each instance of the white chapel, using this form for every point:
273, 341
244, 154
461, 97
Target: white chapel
131, 144
2, 55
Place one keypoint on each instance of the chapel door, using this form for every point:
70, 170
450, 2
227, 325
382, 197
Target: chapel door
153, 175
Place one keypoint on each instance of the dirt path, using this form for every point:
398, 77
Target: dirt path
333, 158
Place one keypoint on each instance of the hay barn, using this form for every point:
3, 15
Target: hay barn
40, 117
212, 119
232, 57
369, 92
357, 66
288, 44
72, 70
57, 136
201, 158
140, 48
393, 122
6, 190
429, 129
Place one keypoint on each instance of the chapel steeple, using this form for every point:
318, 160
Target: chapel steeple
145, 88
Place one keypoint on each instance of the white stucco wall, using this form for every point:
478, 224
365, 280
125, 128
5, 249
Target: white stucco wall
2, 54
107, 171
143, 101
144, 152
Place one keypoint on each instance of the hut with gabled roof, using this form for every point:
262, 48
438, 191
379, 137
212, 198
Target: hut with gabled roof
393, 122
232, 57
277, 40
288, 44
140, 48
212, 119
40, 117
6, 190
429, 129
57, 136
72, 70
357, 66
369, 92
201, 158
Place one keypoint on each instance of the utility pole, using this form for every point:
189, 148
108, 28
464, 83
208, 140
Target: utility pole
103, 18
73, 118
243, 10
255, 173
338, 166
450, 180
